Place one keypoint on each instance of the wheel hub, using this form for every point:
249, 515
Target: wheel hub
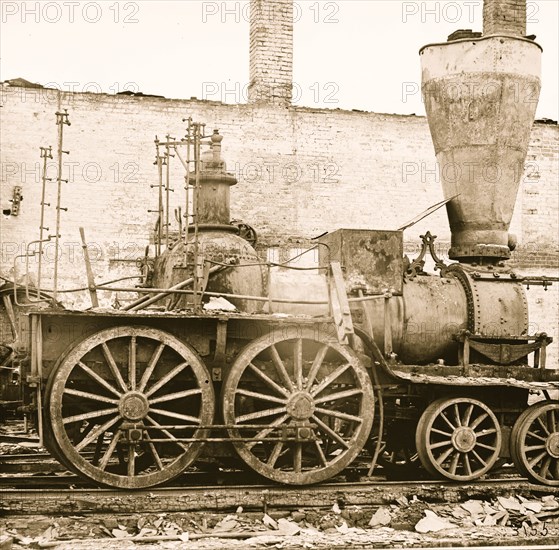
552, 445
464, 439
300, 406
133, 406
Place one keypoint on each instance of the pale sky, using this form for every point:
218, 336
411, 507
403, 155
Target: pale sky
349, 54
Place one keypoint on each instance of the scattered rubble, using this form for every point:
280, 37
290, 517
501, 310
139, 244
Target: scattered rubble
406, 522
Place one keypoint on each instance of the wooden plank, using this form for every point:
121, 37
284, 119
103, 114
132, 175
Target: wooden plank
340, 304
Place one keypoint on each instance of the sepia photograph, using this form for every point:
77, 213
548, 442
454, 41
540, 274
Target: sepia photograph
279, 274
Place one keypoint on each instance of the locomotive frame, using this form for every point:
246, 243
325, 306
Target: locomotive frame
129, 399
411, 367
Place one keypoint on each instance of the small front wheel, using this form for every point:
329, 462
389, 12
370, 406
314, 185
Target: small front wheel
535, 443
458, 438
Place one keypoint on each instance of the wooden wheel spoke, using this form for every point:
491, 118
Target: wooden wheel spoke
330, 378
265, 378
151, 366
339, 414
536, 459
261, 396
446, 419
442, 457
77, 438
166, 432
176, 395
132, 363
457, 415
264, 433
439, 444
110, 450
478, 457
320, 453
170, 414
530, 448
484, 446
261, 414
339, 395
326, 429
298, 457
131, 460
96, 433
88, 415
91, 373
441, 432
479, 420
467, 415
487, 431
92, 396
166, 379
298, 363
537, 436
454, 463
273, 458
280, 368
467, 465
113, 366
153, 450
317, 363
544, 470
543, 425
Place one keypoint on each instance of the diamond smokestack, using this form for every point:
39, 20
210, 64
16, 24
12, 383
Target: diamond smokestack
481, 96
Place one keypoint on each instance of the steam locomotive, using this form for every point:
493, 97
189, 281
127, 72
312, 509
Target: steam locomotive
216, 362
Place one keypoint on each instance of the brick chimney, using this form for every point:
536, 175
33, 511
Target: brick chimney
271, 52
504, 16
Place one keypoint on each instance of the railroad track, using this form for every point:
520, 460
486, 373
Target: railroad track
254, 496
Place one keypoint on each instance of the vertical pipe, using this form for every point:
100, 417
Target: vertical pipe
167, 190
197, 137
61, 120
46, 153
159, 234
187, 187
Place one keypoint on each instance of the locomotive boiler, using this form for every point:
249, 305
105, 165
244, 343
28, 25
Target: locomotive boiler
217, 361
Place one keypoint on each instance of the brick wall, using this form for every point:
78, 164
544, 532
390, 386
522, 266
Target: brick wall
271, 52
504, 16
301, 172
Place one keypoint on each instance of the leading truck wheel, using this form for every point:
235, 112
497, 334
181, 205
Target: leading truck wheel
535, 443
127, 406
458, 438
300, 409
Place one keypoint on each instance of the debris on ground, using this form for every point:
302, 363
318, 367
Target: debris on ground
404, 522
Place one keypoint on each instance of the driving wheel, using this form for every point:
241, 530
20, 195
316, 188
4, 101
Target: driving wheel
299, 409
127, 407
